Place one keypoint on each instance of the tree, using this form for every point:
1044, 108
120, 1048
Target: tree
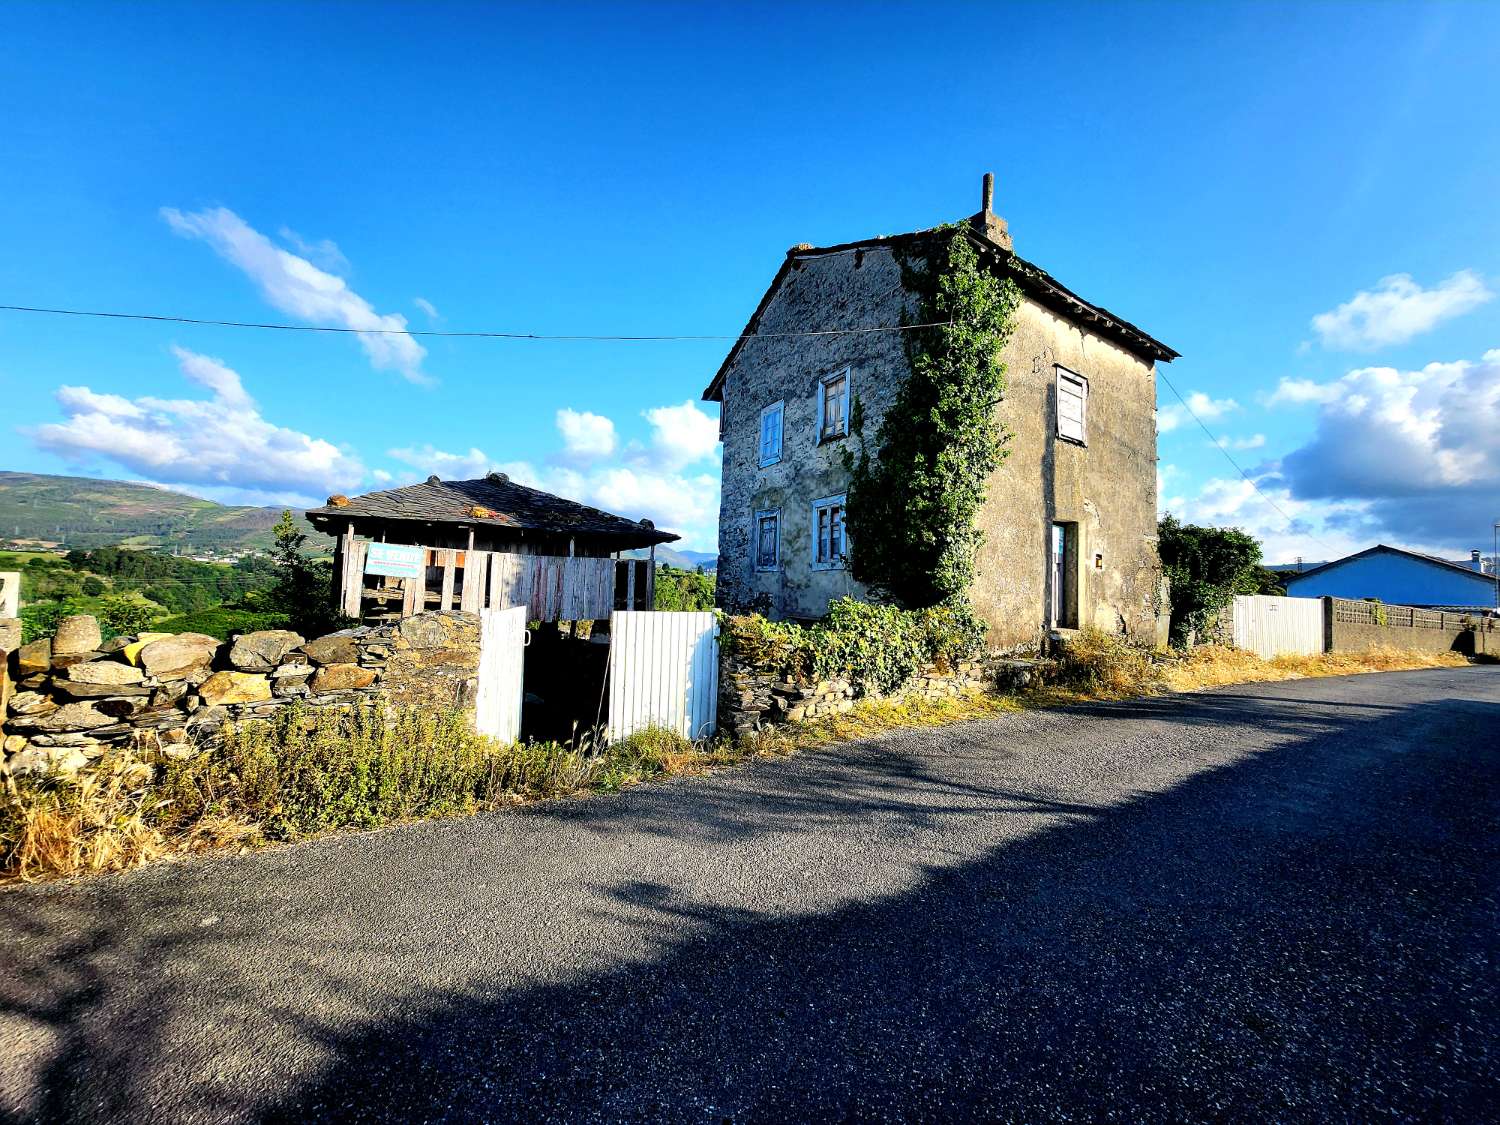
1206, 567
304, 586
121, 615
683, 589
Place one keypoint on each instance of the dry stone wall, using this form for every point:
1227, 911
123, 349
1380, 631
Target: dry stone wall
66, 698
751, 698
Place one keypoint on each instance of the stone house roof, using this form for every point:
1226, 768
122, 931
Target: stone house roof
993, 242
493, 501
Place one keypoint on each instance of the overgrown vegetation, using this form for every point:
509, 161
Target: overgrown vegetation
876, 648
302, 774
912, 500
678, 589
1206, 567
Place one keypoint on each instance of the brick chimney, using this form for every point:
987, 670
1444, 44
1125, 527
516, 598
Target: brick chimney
989, 224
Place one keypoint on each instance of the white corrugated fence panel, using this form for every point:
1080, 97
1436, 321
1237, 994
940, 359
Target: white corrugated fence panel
502, 661
663, 671
1270, 626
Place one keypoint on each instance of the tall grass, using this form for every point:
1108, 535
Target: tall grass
300, 774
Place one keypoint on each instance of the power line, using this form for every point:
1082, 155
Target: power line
1219, 445
458, 334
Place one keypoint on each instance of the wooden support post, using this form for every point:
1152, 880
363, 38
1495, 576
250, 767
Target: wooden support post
630, 585
651, 579
449, 562
351, 572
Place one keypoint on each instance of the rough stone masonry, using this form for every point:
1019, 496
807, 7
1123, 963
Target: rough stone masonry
65, 698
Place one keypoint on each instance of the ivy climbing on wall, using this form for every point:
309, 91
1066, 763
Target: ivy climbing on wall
914, 496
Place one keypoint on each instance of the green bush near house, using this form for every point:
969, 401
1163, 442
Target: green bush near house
876, 648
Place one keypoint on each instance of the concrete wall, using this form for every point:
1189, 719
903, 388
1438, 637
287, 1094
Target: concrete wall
1107, 488
1354, 626
1395, 578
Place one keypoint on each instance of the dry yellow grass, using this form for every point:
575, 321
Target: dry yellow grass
96, 823
1218, 666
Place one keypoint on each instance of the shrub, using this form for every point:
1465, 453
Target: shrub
221, 623
876, 648
1106, 664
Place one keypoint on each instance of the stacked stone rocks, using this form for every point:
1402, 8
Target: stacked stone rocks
750, 697
64, 699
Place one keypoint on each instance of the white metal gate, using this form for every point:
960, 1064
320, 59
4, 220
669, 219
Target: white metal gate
663, 671
1270, 626
502, 660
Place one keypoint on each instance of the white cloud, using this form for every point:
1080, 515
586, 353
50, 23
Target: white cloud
585, 436
1420, 448
1254, 441
221, 442
1298, 392
1313, 530
382, 476
297, 287
1397, 310
324, 253
450, 466
682, 434
1169, 418
427, 307
651, 482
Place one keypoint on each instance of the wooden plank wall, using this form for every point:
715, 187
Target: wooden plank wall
552, 587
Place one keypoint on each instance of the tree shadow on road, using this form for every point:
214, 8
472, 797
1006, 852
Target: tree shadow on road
1307, 929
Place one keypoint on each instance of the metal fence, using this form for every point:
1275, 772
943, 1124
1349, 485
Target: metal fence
664, 672
1272, 626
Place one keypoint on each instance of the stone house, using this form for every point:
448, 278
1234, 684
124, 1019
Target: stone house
1069, 521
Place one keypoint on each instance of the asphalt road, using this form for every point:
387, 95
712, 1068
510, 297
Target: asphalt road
1272, 901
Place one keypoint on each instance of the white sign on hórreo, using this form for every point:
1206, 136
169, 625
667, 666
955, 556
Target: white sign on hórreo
396, 560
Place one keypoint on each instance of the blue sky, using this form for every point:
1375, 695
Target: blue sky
1300, 199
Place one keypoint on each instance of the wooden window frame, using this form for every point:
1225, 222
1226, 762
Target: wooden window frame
838, 562
846, 373
1061, 374
779, 410
755, 521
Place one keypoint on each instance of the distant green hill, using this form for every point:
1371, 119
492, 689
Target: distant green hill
683, 560
81, 512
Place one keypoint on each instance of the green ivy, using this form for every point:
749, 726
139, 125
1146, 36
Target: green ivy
912, 502
876, 648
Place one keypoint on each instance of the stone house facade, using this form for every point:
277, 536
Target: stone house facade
1069, 521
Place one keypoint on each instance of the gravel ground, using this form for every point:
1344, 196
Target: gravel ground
1270, 901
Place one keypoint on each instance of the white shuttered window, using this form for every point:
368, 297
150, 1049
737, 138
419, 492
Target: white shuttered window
1072, 405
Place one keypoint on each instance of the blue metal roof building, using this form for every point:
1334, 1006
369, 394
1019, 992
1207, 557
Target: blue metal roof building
1398, 577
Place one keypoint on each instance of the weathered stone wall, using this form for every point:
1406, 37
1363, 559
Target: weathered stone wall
1107, 487
751, 698
74, 694
849, 290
